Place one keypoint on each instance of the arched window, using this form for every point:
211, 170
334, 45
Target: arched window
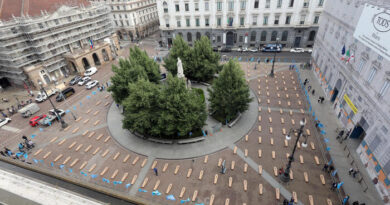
312, 35
263, 36
208, 35
274, 35
189, 37
181, 34
165, 5
284, 35
253, 36
198, 35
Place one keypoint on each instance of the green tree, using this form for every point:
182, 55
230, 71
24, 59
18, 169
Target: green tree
181, 110
137, 66
204, 61
179, 49
229, 93
141, 106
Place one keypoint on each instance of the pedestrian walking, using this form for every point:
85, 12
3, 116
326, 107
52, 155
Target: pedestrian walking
322, 99
334, 186
355, 203
285, 202
341, 133
354, 173
107, 84
331, 168
155, 171
325, 168
312, 92
350, 171
308, 88
345, 200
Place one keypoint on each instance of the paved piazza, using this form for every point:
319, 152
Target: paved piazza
87, 149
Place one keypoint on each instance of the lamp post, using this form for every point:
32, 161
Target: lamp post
285, 177
63, 123
273, 61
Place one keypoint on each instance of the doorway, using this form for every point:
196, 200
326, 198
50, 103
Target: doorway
85, 63
229, 39
336, 90
297, 42
95, 59
4, 82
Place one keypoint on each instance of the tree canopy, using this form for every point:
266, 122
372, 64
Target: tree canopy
137, 66
199, 63
229, 93
166, 110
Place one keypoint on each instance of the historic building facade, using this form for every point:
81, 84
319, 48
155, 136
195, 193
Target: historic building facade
358, 82
41, 42
133, 19
243, 23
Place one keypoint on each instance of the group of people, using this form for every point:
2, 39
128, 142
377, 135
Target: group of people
353, 172
287, 202
101, 88
23, 147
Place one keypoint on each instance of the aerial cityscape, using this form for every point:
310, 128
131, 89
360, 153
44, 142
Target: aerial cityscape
199, 102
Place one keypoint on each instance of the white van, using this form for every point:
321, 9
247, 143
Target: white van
29, 110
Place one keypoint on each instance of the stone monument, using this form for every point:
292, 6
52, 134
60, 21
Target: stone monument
180, 72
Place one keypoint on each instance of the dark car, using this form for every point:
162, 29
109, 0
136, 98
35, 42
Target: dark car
226, 49
215, 49
65, 94
272, 48
75, 80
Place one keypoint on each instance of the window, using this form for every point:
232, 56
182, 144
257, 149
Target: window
291, 4
187, 8
197, 22
265, 20
384, 88
256, 4
242, 21
240, 39
230, 21
371, 75
219, 6
320, 3
284, 35
219, 21
276, 21
361, 65
40, 25
196, 6
231, 5
206, 6
306, 3
288, 19
127, 22
56, 21
206, 22
279, 5
189, 36
177, 7
302, 20
267, 4
218, 39
274, 35
312, 35
178, 23
316, 19
165, 5
188, 22
254, 20
263, 36
243, 5
253, 36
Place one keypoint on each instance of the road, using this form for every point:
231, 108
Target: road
280, 57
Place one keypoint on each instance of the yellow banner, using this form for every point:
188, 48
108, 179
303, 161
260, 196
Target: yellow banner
351, 105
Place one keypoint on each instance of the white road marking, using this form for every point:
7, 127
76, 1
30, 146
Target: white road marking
11, 129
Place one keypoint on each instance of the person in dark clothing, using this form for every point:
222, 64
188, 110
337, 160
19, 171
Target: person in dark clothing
325, 168
334, 186
341, 133
3, 154
308, 88
331, 168
312, 92
322, 100
354, 173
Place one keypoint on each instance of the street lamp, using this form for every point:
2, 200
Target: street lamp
273, 61
63, 97
285, 177
63, 123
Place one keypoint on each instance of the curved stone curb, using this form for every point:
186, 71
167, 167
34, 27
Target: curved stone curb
211, 144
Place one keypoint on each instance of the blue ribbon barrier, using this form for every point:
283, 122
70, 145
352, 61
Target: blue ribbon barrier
326, 140
67, 111
142, 190
323, 132
127, 186
36, 161
327, 148
62, 166
88, 97
81, 104
156, 193
41, 129
74, 107
339, 185
170, 197
52, 164
184, 201
25, 155
32, 136
70, 170
93, 176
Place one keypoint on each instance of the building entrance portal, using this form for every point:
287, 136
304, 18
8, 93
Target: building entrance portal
4, 82
229, 39
336, 90
96, 59
297, 42
85, 63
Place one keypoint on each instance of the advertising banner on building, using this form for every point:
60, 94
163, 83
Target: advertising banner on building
350, 104
373, 30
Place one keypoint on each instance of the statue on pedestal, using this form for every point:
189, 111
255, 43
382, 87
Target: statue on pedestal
180, 72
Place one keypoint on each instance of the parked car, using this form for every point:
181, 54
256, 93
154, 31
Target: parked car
29, 110
272, 48
41, 96
91, 84
58, 111
35, 120
4, 121
65, 94
226, 49
75, 80
309, 50
297, 50
253, 50
84, 80
90, 71
215, 49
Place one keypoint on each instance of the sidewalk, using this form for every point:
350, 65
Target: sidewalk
324, 113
